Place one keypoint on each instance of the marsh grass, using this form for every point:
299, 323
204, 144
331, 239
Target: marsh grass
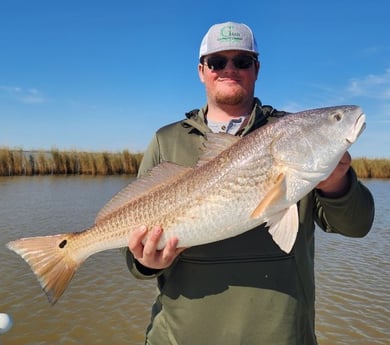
55, 162
372, 168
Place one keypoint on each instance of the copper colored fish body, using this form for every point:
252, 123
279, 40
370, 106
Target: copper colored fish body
238, 183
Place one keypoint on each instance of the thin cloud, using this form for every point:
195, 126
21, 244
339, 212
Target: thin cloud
10, 89
371, 86
376, 50
25, 96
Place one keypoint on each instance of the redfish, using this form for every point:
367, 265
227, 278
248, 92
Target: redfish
238, 184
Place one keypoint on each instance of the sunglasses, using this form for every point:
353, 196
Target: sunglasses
218, 62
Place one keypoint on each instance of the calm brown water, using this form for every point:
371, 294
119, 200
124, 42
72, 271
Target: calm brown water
105, 305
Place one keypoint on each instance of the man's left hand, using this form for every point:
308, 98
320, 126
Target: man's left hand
338, 183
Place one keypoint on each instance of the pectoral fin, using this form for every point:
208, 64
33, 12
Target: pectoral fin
273, 194
283, 228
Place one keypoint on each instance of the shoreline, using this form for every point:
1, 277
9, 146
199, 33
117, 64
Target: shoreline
17, 162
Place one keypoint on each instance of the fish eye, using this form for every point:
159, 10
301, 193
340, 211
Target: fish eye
337, 116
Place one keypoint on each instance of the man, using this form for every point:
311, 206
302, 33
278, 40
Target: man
243, 290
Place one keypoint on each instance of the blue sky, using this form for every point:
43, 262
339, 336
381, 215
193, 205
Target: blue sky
104, 75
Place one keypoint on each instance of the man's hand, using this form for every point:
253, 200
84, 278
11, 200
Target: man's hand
338, 183
147, 254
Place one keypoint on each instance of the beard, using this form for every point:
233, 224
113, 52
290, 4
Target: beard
229, 99
232, 96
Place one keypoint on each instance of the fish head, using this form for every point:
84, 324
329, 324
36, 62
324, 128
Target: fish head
316, 139
332, 128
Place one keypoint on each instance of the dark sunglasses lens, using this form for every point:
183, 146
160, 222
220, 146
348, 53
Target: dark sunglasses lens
216, 63
243, 62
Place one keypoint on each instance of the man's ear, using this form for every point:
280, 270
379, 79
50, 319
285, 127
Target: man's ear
257, 65
201, 72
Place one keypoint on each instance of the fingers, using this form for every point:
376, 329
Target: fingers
135, 243
151, 243
346, 159
337, 184
148, 254
169, 252
344, 164
341, 168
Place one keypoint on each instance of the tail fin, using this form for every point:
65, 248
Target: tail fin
49, 259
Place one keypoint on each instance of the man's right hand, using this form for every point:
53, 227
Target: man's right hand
147, 254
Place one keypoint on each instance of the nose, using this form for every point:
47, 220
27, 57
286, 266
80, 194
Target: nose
230, 66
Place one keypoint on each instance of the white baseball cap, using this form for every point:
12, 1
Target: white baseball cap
228, 36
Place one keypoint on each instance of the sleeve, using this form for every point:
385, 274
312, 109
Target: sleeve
150, 159
138, 270
350, 215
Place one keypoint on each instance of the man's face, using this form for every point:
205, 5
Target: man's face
230, 85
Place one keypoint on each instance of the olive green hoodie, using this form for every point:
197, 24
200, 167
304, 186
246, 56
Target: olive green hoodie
243, 290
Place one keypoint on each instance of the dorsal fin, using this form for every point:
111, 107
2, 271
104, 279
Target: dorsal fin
214, 145
160, 174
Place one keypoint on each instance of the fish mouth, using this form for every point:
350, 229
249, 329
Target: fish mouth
359, 127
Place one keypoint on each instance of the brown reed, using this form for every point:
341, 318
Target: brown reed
16, 162
27, 163
372, 168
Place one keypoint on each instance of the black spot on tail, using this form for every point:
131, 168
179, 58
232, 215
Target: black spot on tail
63, 244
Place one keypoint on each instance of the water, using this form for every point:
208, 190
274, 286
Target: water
104, 304
352, 278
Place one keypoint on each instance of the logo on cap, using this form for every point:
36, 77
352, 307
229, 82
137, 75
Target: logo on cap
228, 35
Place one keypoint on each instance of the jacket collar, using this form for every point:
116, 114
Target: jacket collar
197, 119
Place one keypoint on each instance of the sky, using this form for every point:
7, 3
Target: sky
104, 75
